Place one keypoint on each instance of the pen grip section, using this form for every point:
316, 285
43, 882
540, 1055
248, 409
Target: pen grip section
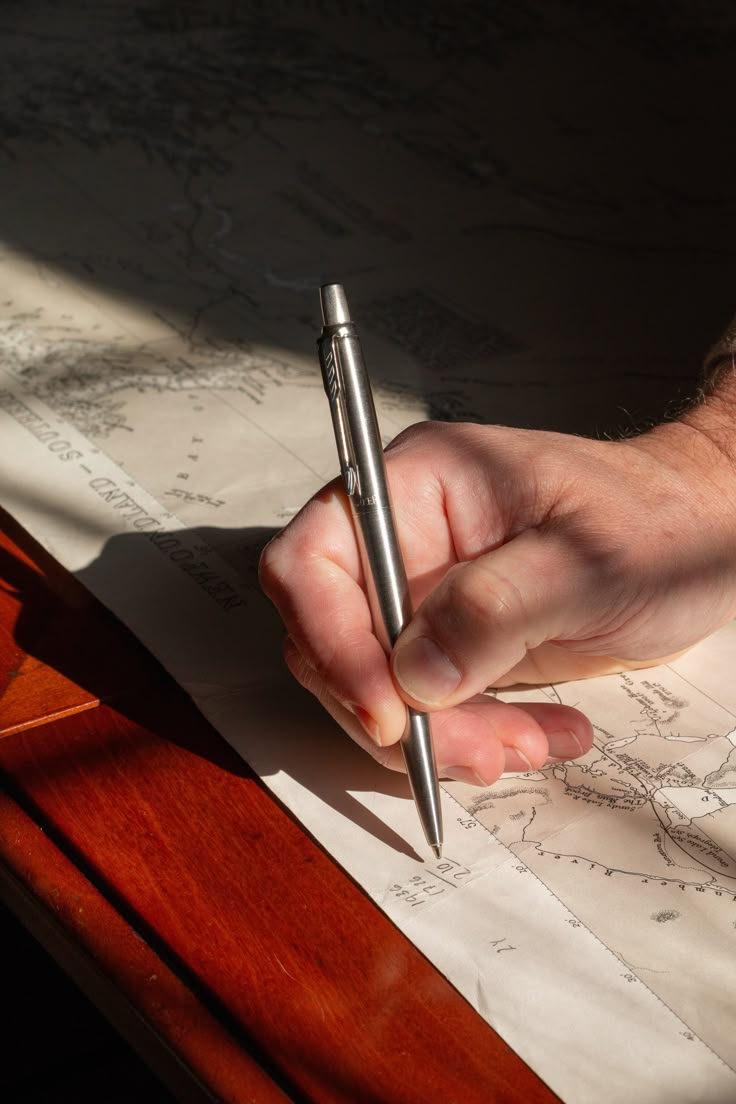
383, 570
421, 769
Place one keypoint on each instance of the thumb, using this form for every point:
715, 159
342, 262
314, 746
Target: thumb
486, 614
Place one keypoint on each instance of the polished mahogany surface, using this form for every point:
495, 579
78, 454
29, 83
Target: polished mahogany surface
212, 931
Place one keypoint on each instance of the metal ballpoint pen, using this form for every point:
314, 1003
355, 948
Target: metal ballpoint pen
364, 475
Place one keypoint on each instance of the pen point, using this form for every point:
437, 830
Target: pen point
437, 848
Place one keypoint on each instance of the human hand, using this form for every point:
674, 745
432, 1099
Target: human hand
532, 557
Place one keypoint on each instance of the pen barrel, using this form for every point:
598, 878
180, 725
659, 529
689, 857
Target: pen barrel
385, 577
364, 474
370, 502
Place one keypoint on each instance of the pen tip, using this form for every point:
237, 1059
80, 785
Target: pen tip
437, 848
334, 305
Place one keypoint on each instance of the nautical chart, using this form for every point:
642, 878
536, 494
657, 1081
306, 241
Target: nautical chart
176, 184
637, 838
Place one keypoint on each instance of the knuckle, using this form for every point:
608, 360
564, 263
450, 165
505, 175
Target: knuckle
422, 437
282, 562
504, 598
413, 433
479, 595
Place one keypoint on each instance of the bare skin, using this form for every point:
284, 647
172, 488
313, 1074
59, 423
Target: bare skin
532, 558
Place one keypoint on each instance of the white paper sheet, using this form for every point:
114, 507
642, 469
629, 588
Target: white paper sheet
161, 414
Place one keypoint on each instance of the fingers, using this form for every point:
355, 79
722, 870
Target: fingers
476, 741
477, 622
314, 579
346, 716
485, 616
481, 739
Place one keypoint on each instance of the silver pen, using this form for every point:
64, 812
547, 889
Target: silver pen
364, 475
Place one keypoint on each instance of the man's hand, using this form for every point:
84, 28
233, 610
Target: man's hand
532, 557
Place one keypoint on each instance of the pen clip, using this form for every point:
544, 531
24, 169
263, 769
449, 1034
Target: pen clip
329, 357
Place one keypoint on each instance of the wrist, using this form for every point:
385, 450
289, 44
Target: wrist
703, 436
698, 451
713, 415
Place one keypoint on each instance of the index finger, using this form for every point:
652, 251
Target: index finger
313, 575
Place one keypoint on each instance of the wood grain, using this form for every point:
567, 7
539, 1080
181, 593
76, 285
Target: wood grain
142, 997
60, 651
265, 956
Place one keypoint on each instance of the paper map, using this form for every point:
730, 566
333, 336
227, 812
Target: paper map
175, 187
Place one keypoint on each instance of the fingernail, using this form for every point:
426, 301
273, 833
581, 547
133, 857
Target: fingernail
564, 745
516, 761
369, 723
423, 670
462, 774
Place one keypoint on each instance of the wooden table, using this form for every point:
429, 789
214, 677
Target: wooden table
210, 929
